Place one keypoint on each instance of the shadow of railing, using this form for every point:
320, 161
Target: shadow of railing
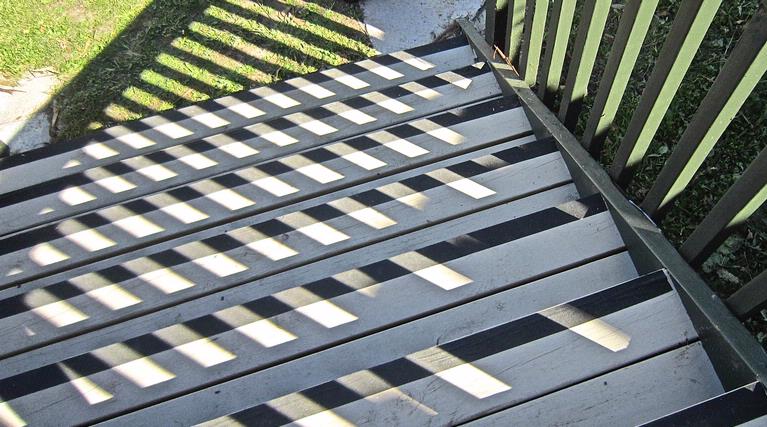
170, 57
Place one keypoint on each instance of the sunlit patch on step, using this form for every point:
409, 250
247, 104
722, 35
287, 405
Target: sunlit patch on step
46, 254
136, 141
205, 352
444, 277
99, 151
345, 79
326, 314
280, 100
278, 138
401, 146
266, 333
157, 173
230, 199
173, 130
114, 297
421, 90
246, 110
59, 313
359, 158
585, 325
198, 161
362, 213
144, 372
315, 171
405, 195
116, 184
220, 265
184, 212
412, 60
391, 104
380, 70
324, 418
91, 240
88, 390
440, 132
473, 380
238, 150
351, 114
312, 89
166, 280
210, 120
138, 226
9, 417
272, 248
455, 79
275, 186
74, 196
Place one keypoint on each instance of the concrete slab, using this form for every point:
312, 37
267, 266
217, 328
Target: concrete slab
401, 24
24, 119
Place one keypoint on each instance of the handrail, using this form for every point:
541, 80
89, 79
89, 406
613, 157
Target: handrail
743, 69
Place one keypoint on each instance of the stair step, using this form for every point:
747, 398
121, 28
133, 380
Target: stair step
259, 246
139, 176
252, 190
628, 396
449, 367
231, 112
742, 406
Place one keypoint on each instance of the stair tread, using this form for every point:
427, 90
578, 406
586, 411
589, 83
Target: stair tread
252, 190
230, 112
628, 396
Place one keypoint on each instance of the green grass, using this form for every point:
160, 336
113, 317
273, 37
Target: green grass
744, 255
122, 62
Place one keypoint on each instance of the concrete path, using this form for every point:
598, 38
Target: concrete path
401, 24
24, 119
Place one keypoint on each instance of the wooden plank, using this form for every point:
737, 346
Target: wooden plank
628, 396
613, 269
740, 74
560, 25
535, 24
238, 110
681, 45
742, 405
131, 225
738, 204
139, 176
593, 17
515, 25
480, 362
153, 278
635, 22
284, 325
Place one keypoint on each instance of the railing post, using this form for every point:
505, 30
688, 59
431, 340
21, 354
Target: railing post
749, 299
735, 81
637, 15
560, 24
490, 11
689, 28
590, 29
515, 24
739, 202
532, 41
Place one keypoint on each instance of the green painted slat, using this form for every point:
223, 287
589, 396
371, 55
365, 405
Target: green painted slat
736, 80
592, 25
735, 207
535, 23
689, 28
637, 15
751, 298
515, 24
560, 25
490, 22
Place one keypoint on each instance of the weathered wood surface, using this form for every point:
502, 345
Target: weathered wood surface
231, 112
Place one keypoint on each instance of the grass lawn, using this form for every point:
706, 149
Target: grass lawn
121, 61
744, 255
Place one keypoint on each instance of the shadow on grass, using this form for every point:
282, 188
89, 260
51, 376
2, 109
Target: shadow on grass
176, 53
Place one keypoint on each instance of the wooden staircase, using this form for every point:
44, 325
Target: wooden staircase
386, 243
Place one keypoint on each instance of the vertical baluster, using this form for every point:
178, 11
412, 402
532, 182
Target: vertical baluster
490, 22
735, 207
749, 299
535, 23
735, 81
689, 27
515, 24
560, 24
637, 15
590, 29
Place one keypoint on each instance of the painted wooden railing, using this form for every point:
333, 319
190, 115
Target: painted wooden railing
522, 35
